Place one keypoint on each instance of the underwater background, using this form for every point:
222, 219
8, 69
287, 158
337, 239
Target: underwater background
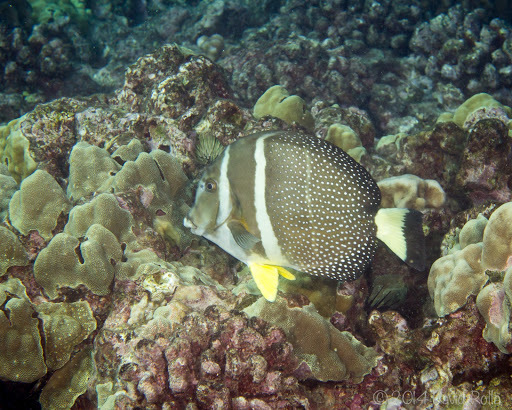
109, 112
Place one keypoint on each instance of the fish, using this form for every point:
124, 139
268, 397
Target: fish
284, 200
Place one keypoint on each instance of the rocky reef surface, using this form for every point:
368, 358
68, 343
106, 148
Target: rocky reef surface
107, 301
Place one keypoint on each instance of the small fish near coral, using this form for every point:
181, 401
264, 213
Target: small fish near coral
278, 199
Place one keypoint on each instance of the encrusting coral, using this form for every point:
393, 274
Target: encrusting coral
67, 262
14, 150
68, 382
21, 353
38, 204
8, 187
323, 351
65, 326
12, 252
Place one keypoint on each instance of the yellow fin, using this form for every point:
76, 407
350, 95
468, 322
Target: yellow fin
285, 273
267, 277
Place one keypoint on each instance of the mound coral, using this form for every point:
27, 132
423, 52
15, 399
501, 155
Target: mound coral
277, 102
411, 191
476, 108
346, 138
454, 277
485, 247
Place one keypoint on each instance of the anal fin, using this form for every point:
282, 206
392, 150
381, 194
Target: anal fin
267, 278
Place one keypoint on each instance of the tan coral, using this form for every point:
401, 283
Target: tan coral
38, 204
65, 326
411, 191
497, 241
277, 102
454, 277
472, 231
21, 353
329, 353
494, 305
346, 138
12, 252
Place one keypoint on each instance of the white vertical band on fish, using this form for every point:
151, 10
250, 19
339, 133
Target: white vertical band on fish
268, 237
225, 202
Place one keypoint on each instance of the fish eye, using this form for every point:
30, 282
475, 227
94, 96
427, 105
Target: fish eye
210, 185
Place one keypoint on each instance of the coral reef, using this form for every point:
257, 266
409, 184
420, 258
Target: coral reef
106, 301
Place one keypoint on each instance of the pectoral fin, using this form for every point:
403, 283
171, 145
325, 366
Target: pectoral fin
267, 277
242, 236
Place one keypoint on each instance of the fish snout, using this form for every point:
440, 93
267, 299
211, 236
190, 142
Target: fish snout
189, 223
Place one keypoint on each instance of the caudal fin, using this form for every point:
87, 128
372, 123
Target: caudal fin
401, 231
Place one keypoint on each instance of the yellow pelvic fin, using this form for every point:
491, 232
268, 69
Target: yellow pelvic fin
285, 273
266, 278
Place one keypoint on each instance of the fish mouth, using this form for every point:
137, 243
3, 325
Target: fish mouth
188, 223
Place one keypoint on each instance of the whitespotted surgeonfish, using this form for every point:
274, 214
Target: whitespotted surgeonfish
278, 199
